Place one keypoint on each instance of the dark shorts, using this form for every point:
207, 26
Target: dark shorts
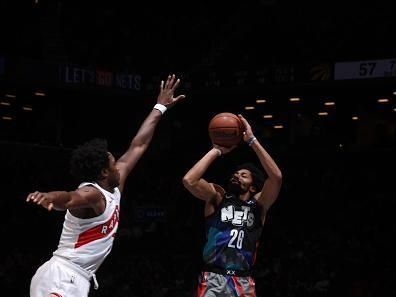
217, 285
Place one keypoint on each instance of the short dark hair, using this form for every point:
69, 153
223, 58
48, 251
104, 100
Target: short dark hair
88, 160
258, 176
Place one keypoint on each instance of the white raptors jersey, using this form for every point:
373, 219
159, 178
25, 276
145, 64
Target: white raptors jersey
87, 242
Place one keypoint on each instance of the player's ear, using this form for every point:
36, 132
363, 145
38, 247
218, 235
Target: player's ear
104, 172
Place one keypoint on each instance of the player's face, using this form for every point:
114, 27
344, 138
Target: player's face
114, 175
240, 182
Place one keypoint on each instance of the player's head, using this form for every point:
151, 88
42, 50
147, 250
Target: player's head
246, 178
92, 162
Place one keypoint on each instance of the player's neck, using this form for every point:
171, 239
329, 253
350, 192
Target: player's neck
103, 184
244, 196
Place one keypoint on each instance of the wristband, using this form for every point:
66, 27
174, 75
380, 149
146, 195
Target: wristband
250, 140
162, 108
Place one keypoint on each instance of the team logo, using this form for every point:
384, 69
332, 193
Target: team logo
228, 196
237, 217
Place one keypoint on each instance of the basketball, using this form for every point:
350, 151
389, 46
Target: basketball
225, 129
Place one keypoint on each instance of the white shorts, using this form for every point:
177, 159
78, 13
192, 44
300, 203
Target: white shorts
60, 277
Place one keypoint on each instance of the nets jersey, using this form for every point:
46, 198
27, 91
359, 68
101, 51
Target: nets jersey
233, 232
87, 242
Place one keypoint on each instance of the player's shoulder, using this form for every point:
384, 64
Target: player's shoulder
90, 192
219, 189
218, 195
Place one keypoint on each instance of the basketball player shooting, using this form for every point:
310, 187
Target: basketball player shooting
92, 210
234, 217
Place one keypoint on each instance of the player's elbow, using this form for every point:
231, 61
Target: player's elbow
188, 182
277, 177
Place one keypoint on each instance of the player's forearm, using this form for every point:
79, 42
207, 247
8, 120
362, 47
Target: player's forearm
199, 169
267, 162
146, 131
60, 199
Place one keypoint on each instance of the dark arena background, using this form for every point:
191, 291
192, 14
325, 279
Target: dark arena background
316, 80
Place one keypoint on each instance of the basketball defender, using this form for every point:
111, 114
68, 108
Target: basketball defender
92, 210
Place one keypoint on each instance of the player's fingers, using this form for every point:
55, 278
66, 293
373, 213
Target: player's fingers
29, 197
50, 206
162, 85
242, 118
176, 84
172, 80
179, 97
244, 121
42, 199
168, 81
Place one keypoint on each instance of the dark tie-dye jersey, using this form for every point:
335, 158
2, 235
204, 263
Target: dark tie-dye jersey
233, 232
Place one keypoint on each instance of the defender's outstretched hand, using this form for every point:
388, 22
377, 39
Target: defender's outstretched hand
167, 90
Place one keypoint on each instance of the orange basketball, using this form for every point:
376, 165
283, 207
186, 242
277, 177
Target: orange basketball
225, 129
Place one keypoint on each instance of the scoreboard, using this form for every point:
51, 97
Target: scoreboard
365, 69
